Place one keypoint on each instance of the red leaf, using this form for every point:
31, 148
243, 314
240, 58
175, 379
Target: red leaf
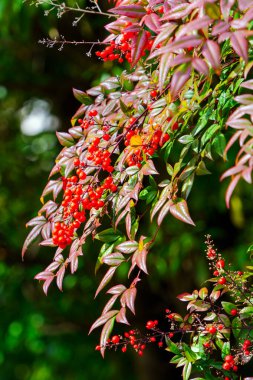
138, 45
180, 211
240, 44
106, 279
211, 51
103, 319
132, 11
106, 331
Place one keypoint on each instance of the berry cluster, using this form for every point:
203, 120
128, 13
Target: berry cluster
229, 364
246, 346
120, 48
144, 145
134, 339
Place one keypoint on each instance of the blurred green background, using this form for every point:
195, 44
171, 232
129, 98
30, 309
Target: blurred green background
43, 337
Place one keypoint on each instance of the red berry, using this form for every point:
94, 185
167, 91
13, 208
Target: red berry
212, 330
240, 273
160, 344
233, 312
153, 94
106, 137
115, 339
235, 368
216, 273
206, 344
229, 358
226, 366
220, 264
98, 348
222, 281
123, 349
140, 353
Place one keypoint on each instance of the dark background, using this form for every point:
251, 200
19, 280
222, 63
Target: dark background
45, 338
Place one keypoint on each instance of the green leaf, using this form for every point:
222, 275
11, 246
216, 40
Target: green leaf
124, 108
108, 236
186, 139
187, 371
246, 312
82, 97
236, 327
171, 346
65, 139
209, 133
201, 169
219, 145
228, 306
225, 349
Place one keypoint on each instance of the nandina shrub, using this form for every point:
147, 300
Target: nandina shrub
184, 99
214, 339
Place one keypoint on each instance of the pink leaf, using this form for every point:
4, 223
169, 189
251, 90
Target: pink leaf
226, 6
232, 140
117, 289
180, 211
46, 231
178, 81
110, 303
240, 44
248, 84
149, 168
130, 295
192, 26
106, 279
244, 4
38, 220
220, 27
200, 65
106, 331
152, 21
121, 317
164, 34
164, 211
232, 171
138, 45
113, 259
128, 246
132, 11
231, 188
31, 237
47, 284
140, 260
164, 67
211, 51
182, 43
246, 174
60, 276
103, 319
